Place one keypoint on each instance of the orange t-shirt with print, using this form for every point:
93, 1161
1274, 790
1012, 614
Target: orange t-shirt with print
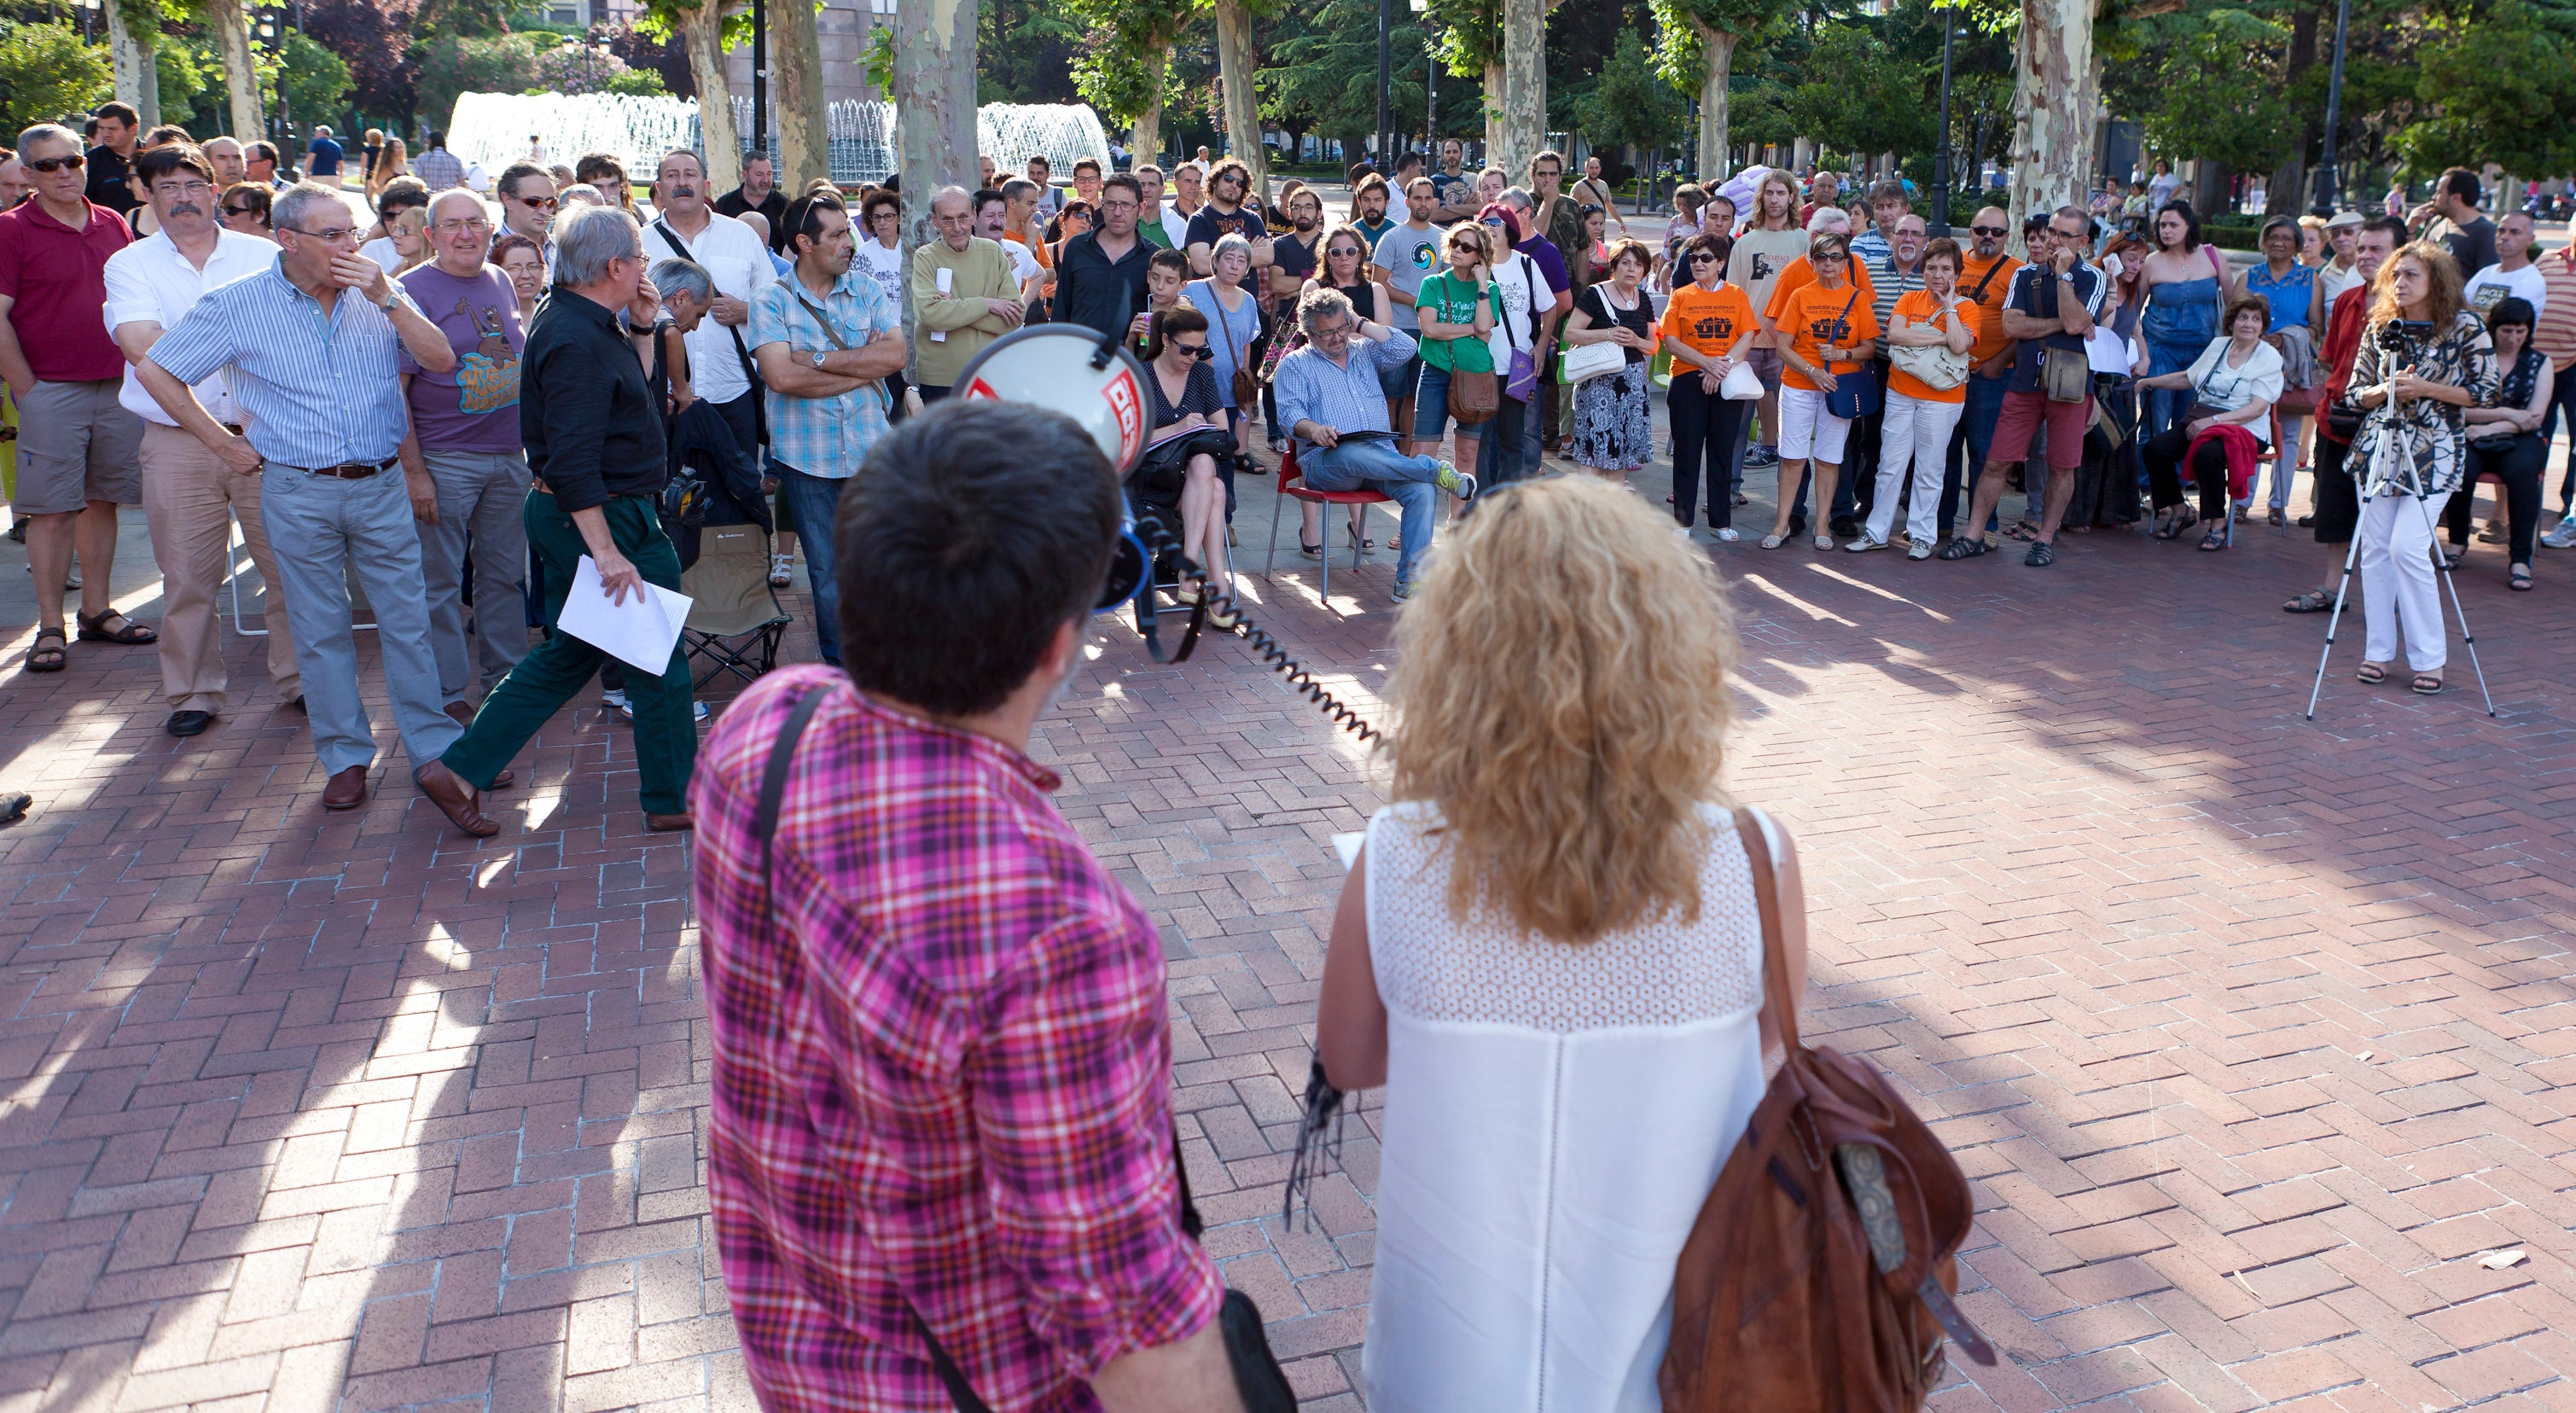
1799, 273
1709, 321
1920, 307
1813, 316
1989, 327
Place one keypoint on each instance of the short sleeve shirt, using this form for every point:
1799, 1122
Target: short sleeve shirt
476, 407
57, 280
1922, 307
2035, 291
824, 436
1812, 317
1407, 255
1988, 286
1210, 225
1708, 320
1452, 299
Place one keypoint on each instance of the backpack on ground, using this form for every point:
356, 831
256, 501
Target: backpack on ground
1820, 1271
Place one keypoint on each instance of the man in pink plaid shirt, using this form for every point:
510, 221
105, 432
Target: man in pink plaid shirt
942, 1059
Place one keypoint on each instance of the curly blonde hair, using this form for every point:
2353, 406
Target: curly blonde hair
1562, 687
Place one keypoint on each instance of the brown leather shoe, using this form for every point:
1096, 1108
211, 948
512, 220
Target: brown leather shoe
347, 790
505, 780
454, 798
463, 713
669, 823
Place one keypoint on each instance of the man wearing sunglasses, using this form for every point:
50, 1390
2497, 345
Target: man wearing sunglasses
527, 203
309, 348
190, 497
76, 447
2048, 315
1985, 280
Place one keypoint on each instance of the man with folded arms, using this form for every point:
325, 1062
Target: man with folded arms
593, 429
190, 497
964, 291
308, 346
462, 464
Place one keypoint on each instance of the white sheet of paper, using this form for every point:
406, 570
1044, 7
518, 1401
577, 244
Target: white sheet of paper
639, 632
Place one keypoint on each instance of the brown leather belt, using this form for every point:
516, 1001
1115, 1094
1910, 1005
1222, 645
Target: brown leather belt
346, 470
539, 483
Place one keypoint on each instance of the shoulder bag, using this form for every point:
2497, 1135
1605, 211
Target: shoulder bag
1245, 385
1820, 1272
1258, 1379
1474, 398
759, 389
1522, 384
1583, 362
1856, 393
1932, 365
885, 398
2065, 375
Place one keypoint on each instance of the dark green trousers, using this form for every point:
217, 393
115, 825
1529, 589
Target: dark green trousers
557, 670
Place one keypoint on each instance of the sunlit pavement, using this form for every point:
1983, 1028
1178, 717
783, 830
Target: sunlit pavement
2249, 1030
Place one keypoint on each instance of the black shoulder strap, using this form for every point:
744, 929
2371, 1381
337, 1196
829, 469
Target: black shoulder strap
764, 825
1991, 271
759, 403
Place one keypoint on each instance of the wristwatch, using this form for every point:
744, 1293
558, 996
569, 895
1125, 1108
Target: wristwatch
391, 299
818, 358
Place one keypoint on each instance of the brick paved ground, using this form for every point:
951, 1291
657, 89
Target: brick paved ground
2249, 1030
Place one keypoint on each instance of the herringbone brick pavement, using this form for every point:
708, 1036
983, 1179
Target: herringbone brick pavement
2247, 1029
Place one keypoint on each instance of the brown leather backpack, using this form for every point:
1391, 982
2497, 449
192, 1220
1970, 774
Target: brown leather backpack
1819, 1274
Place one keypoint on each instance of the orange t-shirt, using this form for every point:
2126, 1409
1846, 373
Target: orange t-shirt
1798, 274
1045, 255
1919, 307
1708, 320
1814, 316
1990, 304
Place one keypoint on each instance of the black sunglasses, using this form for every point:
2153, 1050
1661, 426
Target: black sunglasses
1704, 257
55, 164
242, 211
1194, 350
1988, 230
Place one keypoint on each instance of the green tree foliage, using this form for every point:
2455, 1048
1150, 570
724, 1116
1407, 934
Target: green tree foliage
1861, 96
451, 64
1124, 67
46, 72
2250, 126
1323, 74
315, 80
1631, 105
2499, 85
1025, 50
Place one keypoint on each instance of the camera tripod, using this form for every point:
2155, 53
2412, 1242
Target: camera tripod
2441, 568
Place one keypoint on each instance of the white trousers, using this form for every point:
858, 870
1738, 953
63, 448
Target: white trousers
1918, 431
2397, 587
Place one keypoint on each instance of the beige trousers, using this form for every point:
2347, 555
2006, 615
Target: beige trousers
190, 499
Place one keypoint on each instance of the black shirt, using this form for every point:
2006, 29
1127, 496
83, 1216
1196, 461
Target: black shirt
592, 427
773, 209
1210, 224
2473, 246
107, 187
1093, 290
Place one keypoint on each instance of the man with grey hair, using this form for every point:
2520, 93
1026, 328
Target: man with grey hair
965, 293
1332, 403
77, 447
738, 262
593, 430
462, 464
311, 348
1888, 204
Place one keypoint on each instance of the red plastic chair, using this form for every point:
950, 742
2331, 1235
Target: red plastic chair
1292, 487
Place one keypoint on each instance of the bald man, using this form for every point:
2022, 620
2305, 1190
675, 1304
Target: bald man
965, 290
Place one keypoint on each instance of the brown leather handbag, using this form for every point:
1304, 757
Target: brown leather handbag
1474, 398
1819, 1274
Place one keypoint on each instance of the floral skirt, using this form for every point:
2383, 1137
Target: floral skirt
1611, 429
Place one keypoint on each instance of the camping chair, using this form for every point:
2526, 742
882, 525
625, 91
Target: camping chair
1292, 486
735, 623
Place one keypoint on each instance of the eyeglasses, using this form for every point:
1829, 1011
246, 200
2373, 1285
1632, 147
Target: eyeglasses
182, 190
1996, 231
53, 164
536, 203
1339, 251
330, 237
1706, 257
1830, 257
243, 211
475, 224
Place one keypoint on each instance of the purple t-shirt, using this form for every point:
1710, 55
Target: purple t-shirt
475, 408
1549, 260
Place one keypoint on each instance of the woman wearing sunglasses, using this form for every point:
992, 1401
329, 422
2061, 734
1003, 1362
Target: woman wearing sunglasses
1181, 462
1826, 328
1708, 328
245, 208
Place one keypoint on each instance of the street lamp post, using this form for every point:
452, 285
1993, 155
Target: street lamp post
2326, 174
759, 77
1385, 84
1430, 88
1941, 152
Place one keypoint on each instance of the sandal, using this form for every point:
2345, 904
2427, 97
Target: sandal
1310, 551
2371, 674
44, 659
2518, 578
2021, 530
1773, 541
2215, 539
1964, 547
2452, 556
2313, 601
2042, 554
2179, 525
132, 635
2426, 684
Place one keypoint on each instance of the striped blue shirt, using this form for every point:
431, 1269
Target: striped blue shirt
319, 389
1346, 399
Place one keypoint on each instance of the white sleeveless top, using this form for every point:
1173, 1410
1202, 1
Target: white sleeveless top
1555, 1117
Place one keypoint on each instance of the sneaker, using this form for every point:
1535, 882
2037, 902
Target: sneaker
1919, 551
781, 570
2561, 535
616, 699
1403, 590
625, 708
1727, 533
1865, 544
1760, 455
1458, 483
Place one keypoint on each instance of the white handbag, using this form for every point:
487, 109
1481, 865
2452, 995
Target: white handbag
1933, 365
1742, 384
1585, 361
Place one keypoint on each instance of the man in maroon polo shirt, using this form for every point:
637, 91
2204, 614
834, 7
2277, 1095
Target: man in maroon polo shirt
78, 451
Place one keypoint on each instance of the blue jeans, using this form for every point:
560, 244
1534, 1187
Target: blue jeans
815, 502
1975, 437
1378, 466
1502, 455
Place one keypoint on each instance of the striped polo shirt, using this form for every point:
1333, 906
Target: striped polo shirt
321, 389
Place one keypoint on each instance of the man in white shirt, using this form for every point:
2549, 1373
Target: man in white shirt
738, 262
2512, 276
992, 219
190, 497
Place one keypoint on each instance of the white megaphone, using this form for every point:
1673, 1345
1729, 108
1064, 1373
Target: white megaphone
1094, 380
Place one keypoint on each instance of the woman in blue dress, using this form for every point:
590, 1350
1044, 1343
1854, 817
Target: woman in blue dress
2181, 313
2296, 299
1234, 333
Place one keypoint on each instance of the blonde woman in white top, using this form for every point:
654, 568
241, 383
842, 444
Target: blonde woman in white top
1549, 954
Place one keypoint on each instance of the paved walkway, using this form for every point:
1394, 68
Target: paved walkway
2249, 1030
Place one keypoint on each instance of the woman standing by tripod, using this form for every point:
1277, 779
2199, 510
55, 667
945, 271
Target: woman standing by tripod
2423, 359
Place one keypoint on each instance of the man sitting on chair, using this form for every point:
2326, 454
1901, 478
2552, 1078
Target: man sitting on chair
1330, 396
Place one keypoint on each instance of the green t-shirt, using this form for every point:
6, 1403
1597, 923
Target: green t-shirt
1451, 298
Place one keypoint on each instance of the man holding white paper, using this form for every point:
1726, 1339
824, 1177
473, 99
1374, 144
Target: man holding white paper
964, 292
594, 438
